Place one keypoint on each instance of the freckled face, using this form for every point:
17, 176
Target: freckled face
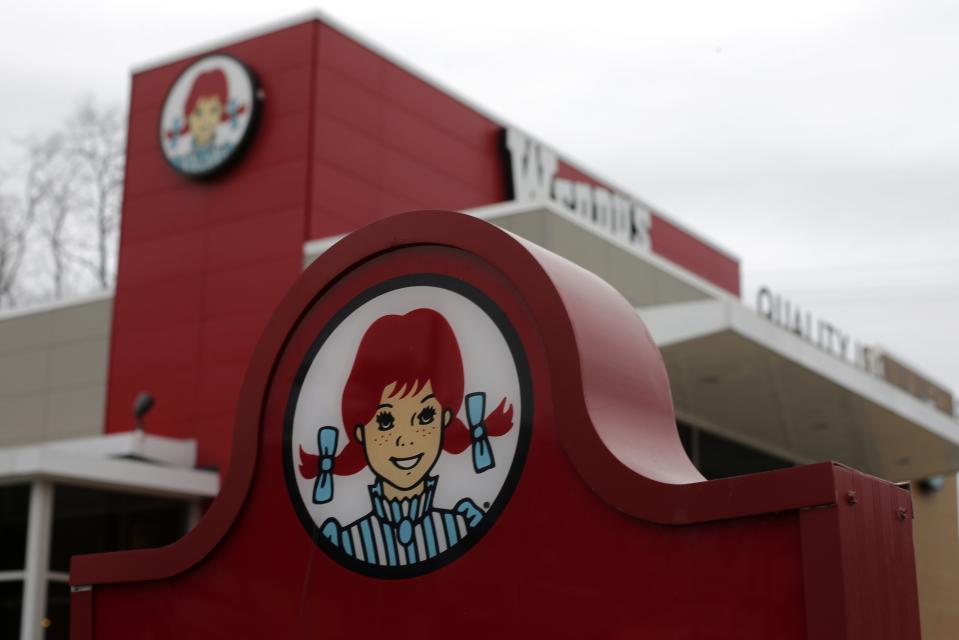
404, 438
205, 118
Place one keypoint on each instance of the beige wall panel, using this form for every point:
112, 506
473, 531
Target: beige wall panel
25, 332
638, 281
22, 419
74, 413
76, 363
936, 541
531, 227
24, 372
53, 372
82, 321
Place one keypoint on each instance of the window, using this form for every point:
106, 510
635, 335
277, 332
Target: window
14, 503
84, 521
11, 600
91, 521
717, 457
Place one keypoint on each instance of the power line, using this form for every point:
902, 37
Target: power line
918, 264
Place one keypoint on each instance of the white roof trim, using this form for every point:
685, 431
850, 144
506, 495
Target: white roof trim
509, 208
218, 42
165, 468
25, 464
675, 323
174, 452
43, 307
312, 249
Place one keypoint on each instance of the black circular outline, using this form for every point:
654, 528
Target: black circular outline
256, 107
509, 334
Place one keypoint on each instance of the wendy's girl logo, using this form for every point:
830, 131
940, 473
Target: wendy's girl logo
208, 115
407, 427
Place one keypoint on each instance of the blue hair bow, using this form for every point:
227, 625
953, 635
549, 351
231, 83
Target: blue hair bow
475, 415
177, 125
323, 488
232, 109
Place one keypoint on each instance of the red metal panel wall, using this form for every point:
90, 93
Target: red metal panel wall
388, 142
603, 576
674, 244
852, 549
202, 264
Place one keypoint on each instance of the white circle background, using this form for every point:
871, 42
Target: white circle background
488, 366
239, 88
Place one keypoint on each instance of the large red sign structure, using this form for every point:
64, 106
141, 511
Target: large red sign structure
600, 526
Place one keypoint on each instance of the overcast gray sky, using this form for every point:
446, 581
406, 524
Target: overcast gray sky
818, 141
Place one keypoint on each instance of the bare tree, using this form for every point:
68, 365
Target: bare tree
18, 213
13, 229
94, 144
50, 183
63, 223
59, 205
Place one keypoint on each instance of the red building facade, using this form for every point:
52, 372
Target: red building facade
346, 137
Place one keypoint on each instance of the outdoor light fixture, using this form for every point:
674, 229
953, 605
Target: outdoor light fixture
141, 407
932, 483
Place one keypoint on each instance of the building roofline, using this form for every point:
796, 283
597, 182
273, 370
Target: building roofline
682, 322
237, 36
491, 212
325, 18
919, 371
111, 463
511, 207
43, 307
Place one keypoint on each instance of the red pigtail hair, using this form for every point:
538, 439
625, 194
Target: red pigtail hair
498, 423
209, 84
407, 352
350, 460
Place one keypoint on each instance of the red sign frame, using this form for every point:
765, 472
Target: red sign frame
611, 530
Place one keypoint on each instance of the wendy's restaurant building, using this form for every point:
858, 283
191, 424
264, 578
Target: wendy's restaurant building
248, 161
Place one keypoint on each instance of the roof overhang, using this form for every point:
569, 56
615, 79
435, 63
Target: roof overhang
736, 374
642, 276
127, 462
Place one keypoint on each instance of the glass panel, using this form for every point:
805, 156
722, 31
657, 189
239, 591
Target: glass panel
91, 521
14, 506
11, 601
686, 437
721, 458
57, 621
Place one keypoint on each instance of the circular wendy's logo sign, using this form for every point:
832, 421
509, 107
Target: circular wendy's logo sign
209, 115
407, 426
